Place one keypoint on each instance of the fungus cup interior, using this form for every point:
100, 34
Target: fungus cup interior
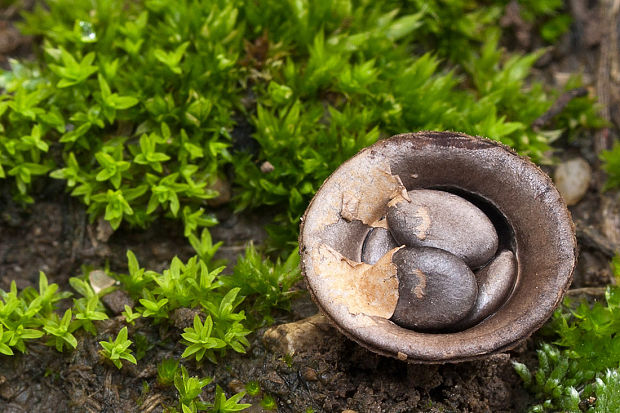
530, 217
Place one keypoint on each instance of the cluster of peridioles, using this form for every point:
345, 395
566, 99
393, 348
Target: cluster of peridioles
450, 272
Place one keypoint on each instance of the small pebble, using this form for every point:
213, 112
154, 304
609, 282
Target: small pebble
236, 386
494, 283
222, 186
183, 317
436, 289
10, 37
116, 301
99, 280
443, 220
300, 337
103, 230
266, 167
378, 242
7, 391
572, 179
309, 374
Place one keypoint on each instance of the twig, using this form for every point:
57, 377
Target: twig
559, 106
9, 12
590, 237
615, 70
151, 403
608, 15
591, 291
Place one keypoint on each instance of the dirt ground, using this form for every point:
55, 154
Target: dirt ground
328, 373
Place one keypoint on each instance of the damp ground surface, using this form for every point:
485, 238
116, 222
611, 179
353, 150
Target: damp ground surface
327, 372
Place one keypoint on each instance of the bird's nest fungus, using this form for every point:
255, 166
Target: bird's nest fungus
437, 246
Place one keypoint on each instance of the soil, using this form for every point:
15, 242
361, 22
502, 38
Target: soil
327, 373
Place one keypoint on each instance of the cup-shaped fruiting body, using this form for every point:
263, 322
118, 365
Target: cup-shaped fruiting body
366, 286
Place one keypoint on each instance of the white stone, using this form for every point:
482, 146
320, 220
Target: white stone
572, 178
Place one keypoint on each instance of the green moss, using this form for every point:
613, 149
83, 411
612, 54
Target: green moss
571, 372
611, 165
133, 105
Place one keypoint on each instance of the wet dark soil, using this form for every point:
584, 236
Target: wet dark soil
326, 372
